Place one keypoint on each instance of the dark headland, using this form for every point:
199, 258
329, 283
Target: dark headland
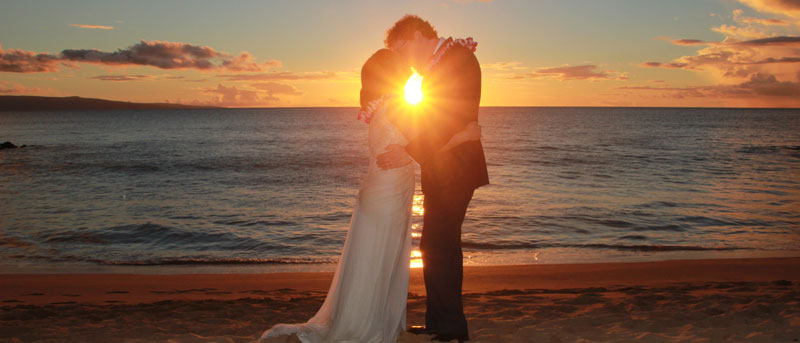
73, 103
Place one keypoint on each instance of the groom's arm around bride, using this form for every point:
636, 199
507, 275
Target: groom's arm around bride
453, 94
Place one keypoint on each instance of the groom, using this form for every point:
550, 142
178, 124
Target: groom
452, 77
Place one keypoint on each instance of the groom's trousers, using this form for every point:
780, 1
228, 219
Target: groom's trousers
442, 261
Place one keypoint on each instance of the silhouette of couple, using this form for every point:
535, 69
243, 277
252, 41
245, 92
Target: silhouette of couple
367, 298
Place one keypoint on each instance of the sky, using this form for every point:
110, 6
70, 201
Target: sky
682, 53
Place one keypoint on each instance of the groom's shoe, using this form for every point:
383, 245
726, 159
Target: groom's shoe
421, 330
449, 337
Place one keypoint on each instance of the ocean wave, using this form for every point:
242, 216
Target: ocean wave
158, 236
769, 149
623, 247
203, 260
207, 261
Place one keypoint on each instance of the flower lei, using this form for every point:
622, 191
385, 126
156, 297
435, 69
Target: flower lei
373, 106
468, 43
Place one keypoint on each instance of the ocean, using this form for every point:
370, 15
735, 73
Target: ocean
272, 190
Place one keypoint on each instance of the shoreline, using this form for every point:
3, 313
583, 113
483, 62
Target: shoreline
545, 256
100, 288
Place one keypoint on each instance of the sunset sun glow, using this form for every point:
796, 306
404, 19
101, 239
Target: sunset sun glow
413, 88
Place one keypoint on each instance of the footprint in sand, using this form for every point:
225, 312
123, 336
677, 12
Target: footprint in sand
36, 294
70, 295
117, 292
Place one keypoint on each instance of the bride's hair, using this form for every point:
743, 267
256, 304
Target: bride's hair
385, 72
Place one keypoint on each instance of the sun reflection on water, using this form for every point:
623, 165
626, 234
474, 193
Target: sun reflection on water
416, 259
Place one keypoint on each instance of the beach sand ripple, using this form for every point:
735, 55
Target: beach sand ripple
691, 312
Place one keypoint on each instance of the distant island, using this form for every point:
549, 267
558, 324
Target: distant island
47, 103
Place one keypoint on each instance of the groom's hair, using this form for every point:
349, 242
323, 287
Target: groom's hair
383, 73
404, 29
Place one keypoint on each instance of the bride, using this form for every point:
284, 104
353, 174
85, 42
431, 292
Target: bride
366, 301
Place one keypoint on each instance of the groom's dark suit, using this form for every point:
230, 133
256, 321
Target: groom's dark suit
452, 94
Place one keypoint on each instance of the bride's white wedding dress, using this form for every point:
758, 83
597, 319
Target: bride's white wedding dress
367, 298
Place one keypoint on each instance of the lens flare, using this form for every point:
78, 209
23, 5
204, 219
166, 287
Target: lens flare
413, 88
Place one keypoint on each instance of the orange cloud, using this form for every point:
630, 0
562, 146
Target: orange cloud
740, 32
789, 8
21, 61
121, 77
742, 58
687, 41
99, 27
278, 76
567, 73
673, 65
737, 16
276, 88
753, 63
502, 66
234, 97
246, 62
764, 86
261, 94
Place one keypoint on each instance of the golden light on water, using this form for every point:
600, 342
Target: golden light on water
417, 208
413, 88
416, 259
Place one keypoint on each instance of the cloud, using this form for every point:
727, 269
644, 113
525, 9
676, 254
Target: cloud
765, 21
261, 94
673, 65
7, 88
504, 66
737, 17
117, 78
582, 72
740, 32
279, 76
774, 41
232, 96
790, 8
121, 77
740, 58
159, 54
99, 27
757, 85
752, 27
687, 41
169, 55
246, 62
276, 88
757, 62
21, 61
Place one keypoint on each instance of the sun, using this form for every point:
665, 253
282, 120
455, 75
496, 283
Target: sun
413, 88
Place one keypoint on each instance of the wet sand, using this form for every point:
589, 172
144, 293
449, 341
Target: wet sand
722, 300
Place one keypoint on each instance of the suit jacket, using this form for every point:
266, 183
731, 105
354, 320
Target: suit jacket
452, 95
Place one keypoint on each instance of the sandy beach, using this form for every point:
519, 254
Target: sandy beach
723, 300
